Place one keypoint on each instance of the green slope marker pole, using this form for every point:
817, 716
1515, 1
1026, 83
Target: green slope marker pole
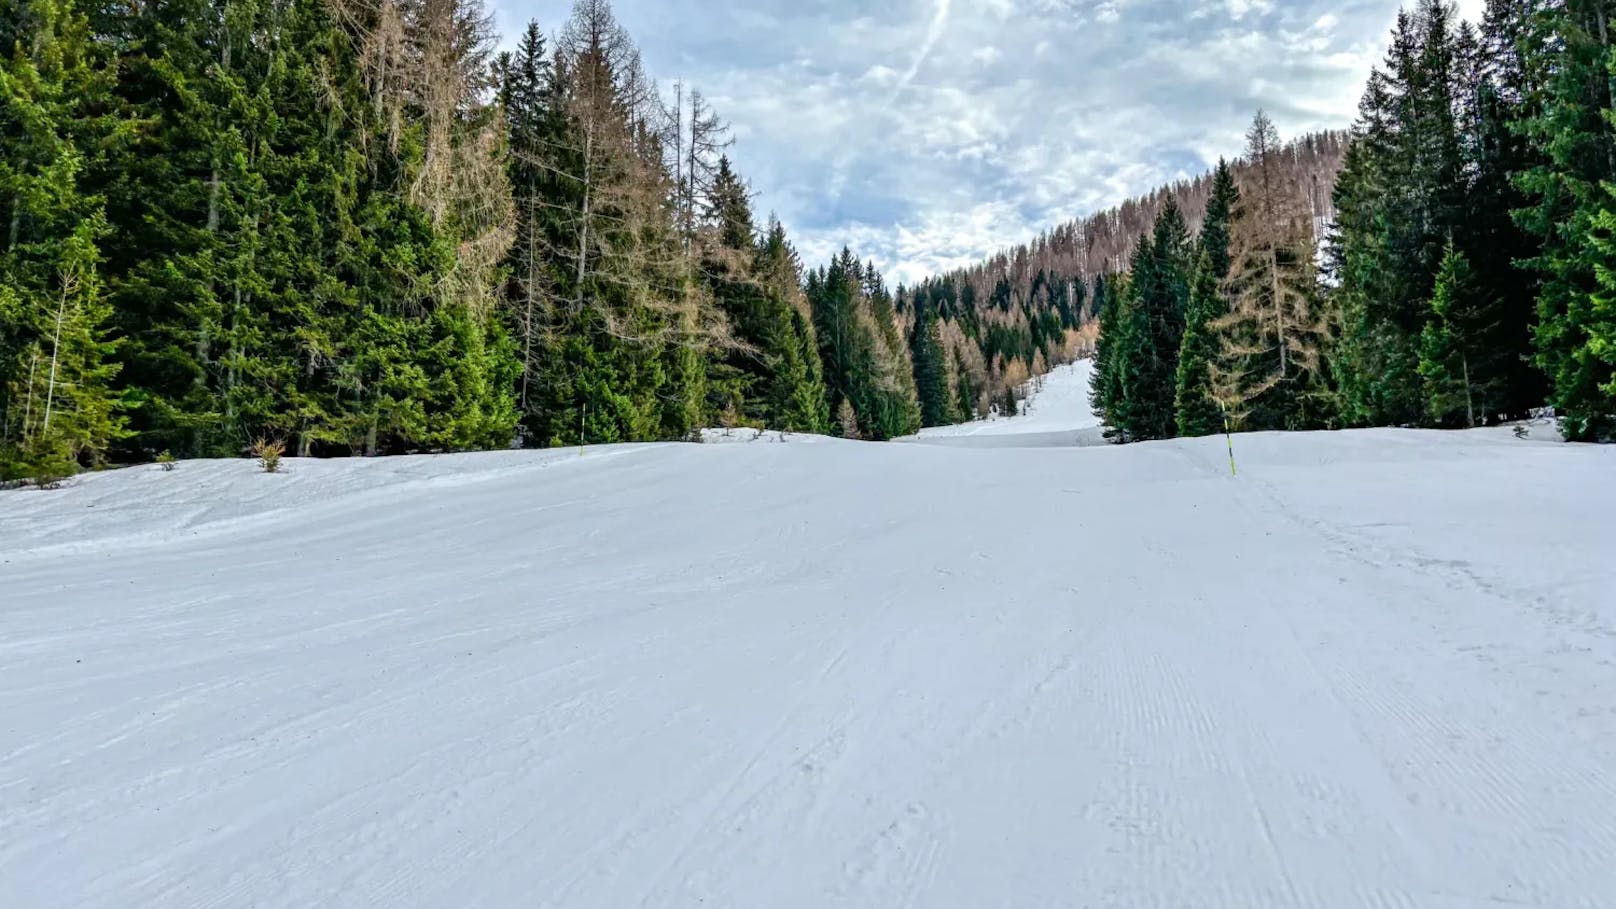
1229, 435
582, 415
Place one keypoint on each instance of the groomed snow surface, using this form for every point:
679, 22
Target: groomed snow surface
1377, 669
1056, 415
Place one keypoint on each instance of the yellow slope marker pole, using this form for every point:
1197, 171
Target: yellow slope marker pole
1229, 435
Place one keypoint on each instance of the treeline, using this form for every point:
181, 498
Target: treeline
1466, 277
973, 352
351, 227
1035, 306
1103, 243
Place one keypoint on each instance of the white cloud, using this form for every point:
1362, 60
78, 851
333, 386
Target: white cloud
1239, 9
926, 134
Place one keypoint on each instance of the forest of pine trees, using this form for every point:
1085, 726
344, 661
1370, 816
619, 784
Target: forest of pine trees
1466, 275
352, 227
1035, 306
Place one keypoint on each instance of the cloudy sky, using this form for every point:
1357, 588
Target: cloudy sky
929, 133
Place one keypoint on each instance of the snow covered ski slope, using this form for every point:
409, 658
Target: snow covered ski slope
1376, 670
1057, 416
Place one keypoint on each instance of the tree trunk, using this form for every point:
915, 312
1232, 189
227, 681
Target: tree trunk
215, 183
28, 405
230, 357
679, 158
1610, 78
583, 227
56, 354
532, 285
1279, 313
1470, 407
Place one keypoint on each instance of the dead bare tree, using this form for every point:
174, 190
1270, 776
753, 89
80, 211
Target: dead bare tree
429, 62
1271, 335
698, 137
625, 265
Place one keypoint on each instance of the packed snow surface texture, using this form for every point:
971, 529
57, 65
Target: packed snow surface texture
1376, 669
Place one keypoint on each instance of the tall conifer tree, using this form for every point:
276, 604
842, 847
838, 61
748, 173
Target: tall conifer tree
1198, 413
1570, 118
58, 405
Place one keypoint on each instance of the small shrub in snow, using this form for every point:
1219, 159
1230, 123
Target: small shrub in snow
268, 452
49, 465
47, 479
847, 420
166, 460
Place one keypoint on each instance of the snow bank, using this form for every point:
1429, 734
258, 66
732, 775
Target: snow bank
764, 436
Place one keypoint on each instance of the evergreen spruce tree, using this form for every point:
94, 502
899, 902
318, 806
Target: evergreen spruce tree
58, 405
1385, 226
1432, 161
866, 363
1360, 264
1454, 356
160, 357
1214, 238
1110, 355
1569, 119
1127, 329
739, 382
1141, 334
937, 400
767, 378
1161, 291
1497, 97
796, 379
1198, 413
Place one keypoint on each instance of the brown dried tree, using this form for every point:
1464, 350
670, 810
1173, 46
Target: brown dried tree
1271, 337
428, 64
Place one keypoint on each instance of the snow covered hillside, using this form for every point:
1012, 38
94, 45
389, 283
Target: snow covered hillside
1377, 669
1056, 416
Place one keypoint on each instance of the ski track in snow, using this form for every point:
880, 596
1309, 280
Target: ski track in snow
1055, 415
1377, 669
